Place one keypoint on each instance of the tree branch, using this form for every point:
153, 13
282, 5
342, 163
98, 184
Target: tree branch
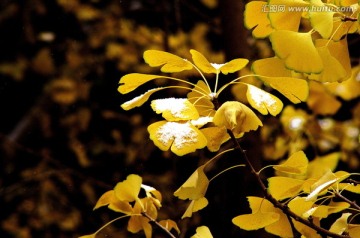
275, 202
152, 220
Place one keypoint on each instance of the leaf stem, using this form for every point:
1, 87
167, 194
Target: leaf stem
152, 220
275, 202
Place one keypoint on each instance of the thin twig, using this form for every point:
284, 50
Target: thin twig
152, 220
352, 203
275, 202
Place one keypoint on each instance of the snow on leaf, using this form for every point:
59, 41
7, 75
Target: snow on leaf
195, 186
279, 78
130, 82
170, 63
294, 47
182, 137
284, 187
321, 184
175, 109
202, 232
128, 190
257, 20
340, 225
236, 117
194, 206
263, 101
297, 163
139, 100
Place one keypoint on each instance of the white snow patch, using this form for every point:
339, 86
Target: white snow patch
201, 121
217, 66
181, 133
261, 97
176, 106
135, 99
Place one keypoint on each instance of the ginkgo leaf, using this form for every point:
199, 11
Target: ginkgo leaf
348, 89
296, 164
236, 117
89, 236
129, 189
130, 82
263, 101
284, 187
321, 164
182, 137
200, 98
195, 186
202, 232
320, 101
194, 206
234, 66
215, 136
139, 100
202, 63
105, 199
340, 225
273, 72
349, 187
286, 19
256, 19
170, 63
321, 21
354, 230
294, 47
256, 220
169, 225
175, 109
321, 184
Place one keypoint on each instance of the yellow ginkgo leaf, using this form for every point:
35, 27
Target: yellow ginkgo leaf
294, 47
182, 137
195, 186
256, 18
175, 109
263, 101
234, 66
200, 98
321, 21
170, 63
130, 82
284, 187
320, 101
236, 117
300, 205
194, 206
89, 236
169, 225
297, 163
354, 230
348, 89
333, 69
256, 220
273, 72
129, 189
321, 164
285, 19
349, 187
139, 100
325, 181
202, 232
215, 136
341, 224
202, 63
335, 207
105, 199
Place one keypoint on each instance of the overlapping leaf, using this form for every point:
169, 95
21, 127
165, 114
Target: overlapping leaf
284, 187
256, 19
170, 63
129, 189
297, 163
175, 109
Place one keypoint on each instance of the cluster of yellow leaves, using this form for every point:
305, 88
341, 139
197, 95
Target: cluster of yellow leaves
195, 122
320, 52
124, 198
309, 190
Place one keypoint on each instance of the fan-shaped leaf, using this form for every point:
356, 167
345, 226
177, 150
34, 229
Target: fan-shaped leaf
170, 63
175, 109
255, 18
129, 189
296, 164
284, 187
130, 82
139, 100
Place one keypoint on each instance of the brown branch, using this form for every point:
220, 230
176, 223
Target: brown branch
152, 220
345, 199
275, 202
